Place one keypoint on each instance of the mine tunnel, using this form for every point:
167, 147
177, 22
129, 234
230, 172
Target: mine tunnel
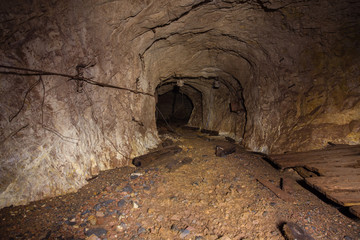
174, 107
187, 119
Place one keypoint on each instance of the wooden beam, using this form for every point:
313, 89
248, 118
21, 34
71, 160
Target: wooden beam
277, 191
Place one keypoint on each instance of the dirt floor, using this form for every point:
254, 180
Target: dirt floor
190, 195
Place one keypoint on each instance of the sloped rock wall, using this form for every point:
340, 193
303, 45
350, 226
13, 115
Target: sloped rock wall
64, 135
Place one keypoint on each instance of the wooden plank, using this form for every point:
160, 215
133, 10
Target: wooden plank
286, 163
328, 184
287, 184
318, 157
147, 159
277, 191
346, 198
224, 149
329, 170
355, 210
305, 173
353, 150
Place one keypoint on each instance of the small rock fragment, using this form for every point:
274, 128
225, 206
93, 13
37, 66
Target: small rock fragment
92, 220
85, 212
127, 189
96, 231
121, 203
174, 227
225, 238
93, 237
141, 230
186, 160
100, 214
135, 205
293, 231
135, 175
184, 233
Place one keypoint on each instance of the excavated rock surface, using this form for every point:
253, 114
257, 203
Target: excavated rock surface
291, 66
208, 197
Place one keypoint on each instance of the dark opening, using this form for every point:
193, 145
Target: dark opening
174, 107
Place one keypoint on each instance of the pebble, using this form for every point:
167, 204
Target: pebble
141, 230
98, 206
184, 233
127, 189
121, 203
96, 231
135, 205
93, 237
293, 231
100, 214
135, 175
107, 202
85, 212
71, 222
119, 228
174, 227
92, 220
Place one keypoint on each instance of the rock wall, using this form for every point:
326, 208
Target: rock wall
66, 133
293, 66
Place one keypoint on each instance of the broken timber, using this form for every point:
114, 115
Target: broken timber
277, 191
210, 132
224, 149
336, 172
147, 159
355, 210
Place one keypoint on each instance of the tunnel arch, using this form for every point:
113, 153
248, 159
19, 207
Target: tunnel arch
174, 107
195, 95
200, 69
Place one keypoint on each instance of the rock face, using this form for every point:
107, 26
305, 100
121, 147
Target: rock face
276, 75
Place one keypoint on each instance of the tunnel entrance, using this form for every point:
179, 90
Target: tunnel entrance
173, 107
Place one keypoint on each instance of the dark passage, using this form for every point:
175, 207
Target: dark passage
174, 107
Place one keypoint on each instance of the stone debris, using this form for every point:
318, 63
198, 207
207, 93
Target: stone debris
96, 231
213, 199
293, 231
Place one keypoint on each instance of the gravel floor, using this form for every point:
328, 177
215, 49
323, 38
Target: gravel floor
201, 197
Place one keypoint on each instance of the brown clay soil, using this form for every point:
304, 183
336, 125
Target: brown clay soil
207, 198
